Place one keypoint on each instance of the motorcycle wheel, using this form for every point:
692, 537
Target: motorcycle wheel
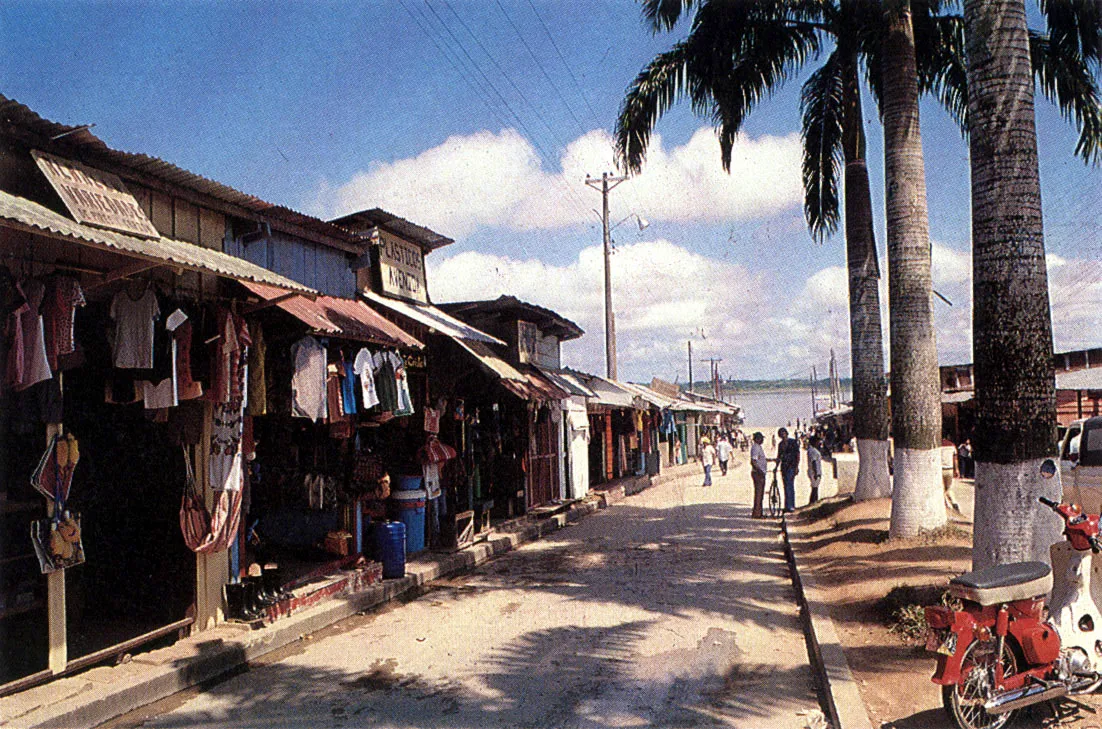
964, 701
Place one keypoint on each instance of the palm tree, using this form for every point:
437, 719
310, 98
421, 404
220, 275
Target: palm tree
917, 502
736, 54
1012, 327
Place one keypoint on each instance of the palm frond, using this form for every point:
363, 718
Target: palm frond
822, 110
1064, 77
1076, 27
663, 15
657, 87
729, 62
940, 58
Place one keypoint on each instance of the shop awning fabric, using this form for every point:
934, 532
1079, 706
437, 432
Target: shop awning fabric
527, 385
336, 317
28, 216
433, 318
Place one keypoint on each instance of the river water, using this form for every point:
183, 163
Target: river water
773, 408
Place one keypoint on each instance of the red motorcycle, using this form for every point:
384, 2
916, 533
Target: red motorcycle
1005, 649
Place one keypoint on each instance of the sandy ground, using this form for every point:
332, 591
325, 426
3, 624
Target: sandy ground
670, 609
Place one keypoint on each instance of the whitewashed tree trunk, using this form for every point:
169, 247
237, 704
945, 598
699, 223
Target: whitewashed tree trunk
1012, 325
918, 502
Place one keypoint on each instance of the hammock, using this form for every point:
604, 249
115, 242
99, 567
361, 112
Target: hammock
205, 532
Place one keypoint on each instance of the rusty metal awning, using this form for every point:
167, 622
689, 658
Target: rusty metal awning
336, 317
27, 216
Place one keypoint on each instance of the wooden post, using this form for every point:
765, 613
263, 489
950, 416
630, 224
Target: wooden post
55, 596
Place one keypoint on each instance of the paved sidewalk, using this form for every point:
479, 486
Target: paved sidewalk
671, 609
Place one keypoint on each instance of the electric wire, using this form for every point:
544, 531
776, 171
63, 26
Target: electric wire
571, 195
532, 137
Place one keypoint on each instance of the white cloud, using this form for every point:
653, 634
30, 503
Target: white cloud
500, 180
664, 294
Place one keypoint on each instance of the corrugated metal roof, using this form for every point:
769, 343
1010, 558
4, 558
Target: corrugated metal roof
1088, 379
37, 218
511, 307
80, 143
491, 360
606, 392
360, 222
342, 318
434, 319
567, 382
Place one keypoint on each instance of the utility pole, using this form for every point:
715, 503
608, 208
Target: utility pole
606, 183
690, 367
814, 399
714, 363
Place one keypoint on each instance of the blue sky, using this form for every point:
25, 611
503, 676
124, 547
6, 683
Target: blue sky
481, 119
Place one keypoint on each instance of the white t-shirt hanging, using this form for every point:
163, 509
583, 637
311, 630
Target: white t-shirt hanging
431, 472
308, 393
364, 367
134, 329
164, 393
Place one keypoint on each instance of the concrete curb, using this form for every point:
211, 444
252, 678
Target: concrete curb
106, 692
845, 707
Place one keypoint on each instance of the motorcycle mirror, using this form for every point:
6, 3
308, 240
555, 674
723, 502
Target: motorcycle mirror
1048, 468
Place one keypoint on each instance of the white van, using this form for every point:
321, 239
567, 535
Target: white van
1081, 450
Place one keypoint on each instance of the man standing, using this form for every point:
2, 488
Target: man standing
708, 458
758, 467
723, 451
788, 460
814, 466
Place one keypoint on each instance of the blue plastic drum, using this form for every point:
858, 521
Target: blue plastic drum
390, 548
411, 512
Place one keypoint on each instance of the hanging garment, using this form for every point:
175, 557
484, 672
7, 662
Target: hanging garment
226, 470
386, 384
28, 364
364, 367
163, 394
347, 373
63, 296
187, 388
134, 319
308, 396
431, 473
405, 401
258, 380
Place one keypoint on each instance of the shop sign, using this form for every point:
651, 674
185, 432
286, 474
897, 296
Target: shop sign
95, 197
528, 342
402, 269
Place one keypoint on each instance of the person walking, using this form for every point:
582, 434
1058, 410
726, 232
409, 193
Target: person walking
708, 458
814, 467
723, 452
758, 467
964, 459
788, 460
948, 452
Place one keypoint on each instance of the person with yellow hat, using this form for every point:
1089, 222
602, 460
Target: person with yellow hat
707, 458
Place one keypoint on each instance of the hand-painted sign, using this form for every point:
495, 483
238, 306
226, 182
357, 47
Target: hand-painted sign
402, 269
95, 197
528, 342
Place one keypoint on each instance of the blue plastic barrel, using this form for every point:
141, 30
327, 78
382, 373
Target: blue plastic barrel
411, 512
390, 548
409, 483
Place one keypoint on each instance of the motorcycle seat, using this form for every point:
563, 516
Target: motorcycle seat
1003, 583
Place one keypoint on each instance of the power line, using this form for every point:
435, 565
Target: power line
570, 193
540, 66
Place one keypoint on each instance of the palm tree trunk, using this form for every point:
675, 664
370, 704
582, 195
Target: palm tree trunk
870, 420
917, 496
1011, 320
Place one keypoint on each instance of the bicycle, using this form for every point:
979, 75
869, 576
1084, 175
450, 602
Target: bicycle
775, 508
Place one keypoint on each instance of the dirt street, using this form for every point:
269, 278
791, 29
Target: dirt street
672, 608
